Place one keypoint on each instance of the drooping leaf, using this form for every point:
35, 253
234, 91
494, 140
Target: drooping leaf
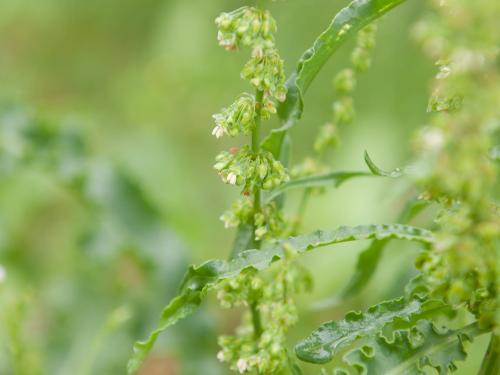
398, 172
199, 280
345, 24
327, 179
410, 352
325, 342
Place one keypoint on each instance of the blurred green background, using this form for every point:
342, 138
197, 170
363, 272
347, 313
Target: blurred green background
107, 190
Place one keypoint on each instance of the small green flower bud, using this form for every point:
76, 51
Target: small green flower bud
360, 59
327, 137
345, 81
343, 111
239, 118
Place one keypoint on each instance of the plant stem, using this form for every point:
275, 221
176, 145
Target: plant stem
256, 320
259, 96
491, 360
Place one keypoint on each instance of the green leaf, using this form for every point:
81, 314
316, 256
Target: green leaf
345, 24
200, 279
411, 351
328, 179
398, 172
325, 342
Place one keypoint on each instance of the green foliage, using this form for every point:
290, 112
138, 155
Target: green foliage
395, 337
199, 280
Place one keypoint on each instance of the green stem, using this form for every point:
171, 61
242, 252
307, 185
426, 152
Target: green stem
491, 360
256, 320
259, 96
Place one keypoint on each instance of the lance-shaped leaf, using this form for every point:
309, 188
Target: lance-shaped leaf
410, 352
328, 179
325, 342
345, 24
200, 279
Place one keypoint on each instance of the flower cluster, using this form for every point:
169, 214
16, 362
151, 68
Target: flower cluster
251, 170
266, 354
239, 117
265, 72
462, 266
344, 84
246, 26
268, 221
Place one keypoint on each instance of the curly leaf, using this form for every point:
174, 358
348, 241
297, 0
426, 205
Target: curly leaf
334, 178
345, 24
411, 351
398, 172
199, 280
325, 342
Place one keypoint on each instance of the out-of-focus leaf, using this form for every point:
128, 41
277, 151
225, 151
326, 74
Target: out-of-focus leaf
345, 24
369, 258
326, 341
495, 153
410, 352
199, 280
328, 179
398, 172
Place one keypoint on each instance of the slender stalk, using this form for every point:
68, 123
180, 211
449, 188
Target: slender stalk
259, 96
256, 320
491, 360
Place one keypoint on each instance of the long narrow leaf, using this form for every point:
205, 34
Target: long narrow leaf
199, 280
345, 24
328, 179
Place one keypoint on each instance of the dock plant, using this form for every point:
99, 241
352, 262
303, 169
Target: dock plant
454, 297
